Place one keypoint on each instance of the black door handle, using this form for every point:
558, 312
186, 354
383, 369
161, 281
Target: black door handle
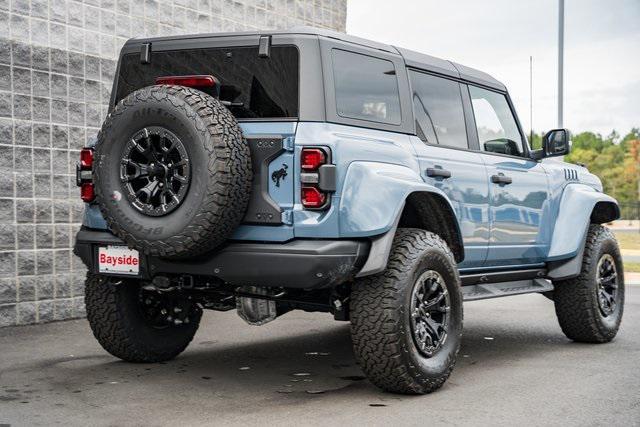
501, 179
438, 173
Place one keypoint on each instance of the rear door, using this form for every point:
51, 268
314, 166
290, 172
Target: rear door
446, 160
519, 191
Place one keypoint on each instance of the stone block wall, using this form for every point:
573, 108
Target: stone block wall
57, 63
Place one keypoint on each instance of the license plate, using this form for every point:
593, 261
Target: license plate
118, 259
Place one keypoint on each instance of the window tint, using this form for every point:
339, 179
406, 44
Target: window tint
497, 129
366, 87
254, 87
438, 110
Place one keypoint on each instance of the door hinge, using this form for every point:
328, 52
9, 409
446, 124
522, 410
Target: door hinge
287, 217
289, 143
145, 53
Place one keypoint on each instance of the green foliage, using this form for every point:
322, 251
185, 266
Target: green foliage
615, 160
535, 141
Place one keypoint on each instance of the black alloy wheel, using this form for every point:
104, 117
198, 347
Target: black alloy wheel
155, 171
166, 309
430, 304
607, 280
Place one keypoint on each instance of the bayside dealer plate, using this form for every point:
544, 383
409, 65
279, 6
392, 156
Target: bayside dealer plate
118, 259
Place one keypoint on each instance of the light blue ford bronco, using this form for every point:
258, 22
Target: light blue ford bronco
309, 170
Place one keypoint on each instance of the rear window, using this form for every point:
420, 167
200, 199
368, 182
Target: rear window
437, 105
366, 87
256, 87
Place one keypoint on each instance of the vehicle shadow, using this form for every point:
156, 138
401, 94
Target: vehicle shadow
296, 367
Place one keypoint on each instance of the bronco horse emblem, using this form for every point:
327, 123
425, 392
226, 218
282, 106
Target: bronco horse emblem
280, 174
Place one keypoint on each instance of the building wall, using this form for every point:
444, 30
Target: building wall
57, 63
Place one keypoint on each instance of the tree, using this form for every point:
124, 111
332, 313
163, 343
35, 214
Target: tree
617, 164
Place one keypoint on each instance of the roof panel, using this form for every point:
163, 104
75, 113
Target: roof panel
428, 62
412, 58
479, 77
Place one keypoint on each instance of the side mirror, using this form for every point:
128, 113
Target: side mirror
556, 143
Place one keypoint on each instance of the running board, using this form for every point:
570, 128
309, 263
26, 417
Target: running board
501, 276
503, 289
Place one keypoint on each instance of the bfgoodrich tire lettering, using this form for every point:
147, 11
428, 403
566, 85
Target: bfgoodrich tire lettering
576, 300
381, 329
219, 174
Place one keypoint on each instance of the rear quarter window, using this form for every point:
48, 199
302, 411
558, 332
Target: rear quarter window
366, 88
256, 88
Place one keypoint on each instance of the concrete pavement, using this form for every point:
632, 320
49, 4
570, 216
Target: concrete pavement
515, 367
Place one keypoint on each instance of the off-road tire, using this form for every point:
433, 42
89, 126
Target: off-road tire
220, 183
380, 317
576, 300
117, 323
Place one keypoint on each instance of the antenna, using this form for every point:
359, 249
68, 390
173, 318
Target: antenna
560, 60
530, 99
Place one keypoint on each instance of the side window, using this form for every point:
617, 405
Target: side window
497, 129
437, 106
366, 87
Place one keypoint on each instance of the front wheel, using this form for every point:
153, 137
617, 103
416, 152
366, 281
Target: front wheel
406, 323
590, 306
137, 325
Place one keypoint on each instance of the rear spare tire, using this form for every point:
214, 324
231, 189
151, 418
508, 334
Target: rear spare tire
172, 171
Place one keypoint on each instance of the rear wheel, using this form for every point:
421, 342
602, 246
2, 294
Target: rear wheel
137, 325
406, 323
589, 307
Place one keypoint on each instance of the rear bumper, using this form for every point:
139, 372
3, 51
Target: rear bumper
299, 263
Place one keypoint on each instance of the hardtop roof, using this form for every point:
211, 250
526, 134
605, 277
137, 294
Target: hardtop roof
412, 58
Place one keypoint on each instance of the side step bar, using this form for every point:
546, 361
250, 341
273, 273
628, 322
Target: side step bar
501, 276
503, 289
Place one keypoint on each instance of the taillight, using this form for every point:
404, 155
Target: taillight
196, 81
312, 197
84, 179
87, 193
317, 178
312, 158
86, 158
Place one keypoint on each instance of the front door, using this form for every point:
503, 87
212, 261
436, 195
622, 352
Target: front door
518, 186
446, 161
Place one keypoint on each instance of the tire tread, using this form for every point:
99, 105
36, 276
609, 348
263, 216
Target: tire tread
575, 304
376, 310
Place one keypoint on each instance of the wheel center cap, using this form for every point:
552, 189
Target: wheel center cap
161, 171
158, 170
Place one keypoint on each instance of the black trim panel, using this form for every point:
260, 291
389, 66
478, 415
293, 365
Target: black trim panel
262, 208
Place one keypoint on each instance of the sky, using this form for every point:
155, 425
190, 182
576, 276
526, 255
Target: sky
601, 42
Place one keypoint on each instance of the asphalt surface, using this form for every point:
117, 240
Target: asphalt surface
515, 367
